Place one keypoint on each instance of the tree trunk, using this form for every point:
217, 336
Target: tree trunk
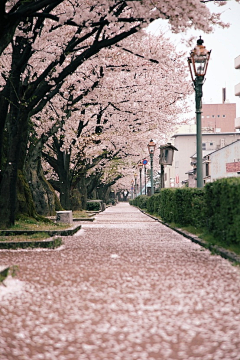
44, 197
83, 191
64, 179
24, 205
17, 135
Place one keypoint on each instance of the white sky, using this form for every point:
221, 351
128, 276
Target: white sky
225, 46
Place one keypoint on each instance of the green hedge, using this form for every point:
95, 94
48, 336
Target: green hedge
184, 206
223, 209
140, 201
153, 203
216, 208
94, 205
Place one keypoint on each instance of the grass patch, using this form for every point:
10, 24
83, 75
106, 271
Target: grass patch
209, 238
33, 224
81, 214
25, 237
32, 244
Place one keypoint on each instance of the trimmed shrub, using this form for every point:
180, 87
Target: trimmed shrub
94, 205
153, 203
223, 209
216, 208
166, 206
140, 201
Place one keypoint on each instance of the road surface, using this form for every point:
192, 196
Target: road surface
125, 287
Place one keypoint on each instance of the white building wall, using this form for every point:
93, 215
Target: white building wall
219, 160
186, 145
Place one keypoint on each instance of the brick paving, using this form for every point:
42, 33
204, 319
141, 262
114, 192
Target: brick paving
124, 287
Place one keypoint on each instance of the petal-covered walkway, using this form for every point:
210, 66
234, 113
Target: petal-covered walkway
125, 287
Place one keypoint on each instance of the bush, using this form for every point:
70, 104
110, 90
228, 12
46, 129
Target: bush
215, 208
140, 201
223, 209
166, 210
94, 205
153, 203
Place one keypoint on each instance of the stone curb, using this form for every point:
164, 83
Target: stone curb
84, 219
50, 243
226, 254
66, 232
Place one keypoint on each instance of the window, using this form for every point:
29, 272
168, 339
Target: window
213, 115
207, 116
204, 146
207, 169
218, 116
224, 115
211, 143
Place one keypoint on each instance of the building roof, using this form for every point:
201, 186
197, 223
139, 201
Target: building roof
205, 134
204, 153
222, 148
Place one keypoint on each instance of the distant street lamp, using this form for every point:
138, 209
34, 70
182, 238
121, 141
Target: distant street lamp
145, 175
132, 182
151, 149
140, 166
166, 158
198, 63
135, 186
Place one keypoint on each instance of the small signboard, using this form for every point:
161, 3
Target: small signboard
145, 162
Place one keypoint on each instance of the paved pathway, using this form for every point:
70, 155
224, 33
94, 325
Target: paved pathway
124, 288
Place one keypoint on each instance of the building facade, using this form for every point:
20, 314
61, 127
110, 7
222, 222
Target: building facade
218, 117
237, 89
222, 163
186, 145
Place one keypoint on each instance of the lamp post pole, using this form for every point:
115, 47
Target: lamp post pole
151, 158
144, 162
198, 83
151, 148
145, 173
135, 186
140, 166
198, 63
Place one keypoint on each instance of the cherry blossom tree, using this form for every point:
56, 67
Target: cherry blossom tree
48, 45
136, 97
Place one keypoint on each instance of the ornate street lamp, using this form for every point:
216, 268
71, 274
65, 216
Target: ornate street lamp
151, 149
140, 166
198, 63
166, 158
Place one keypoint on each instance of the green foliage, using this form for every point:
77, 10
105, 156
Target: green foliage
48, 244
140, 201
93, 205
166, 210
223, 209
215, 208
11, 270
153, 203
40, 223
184, 206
